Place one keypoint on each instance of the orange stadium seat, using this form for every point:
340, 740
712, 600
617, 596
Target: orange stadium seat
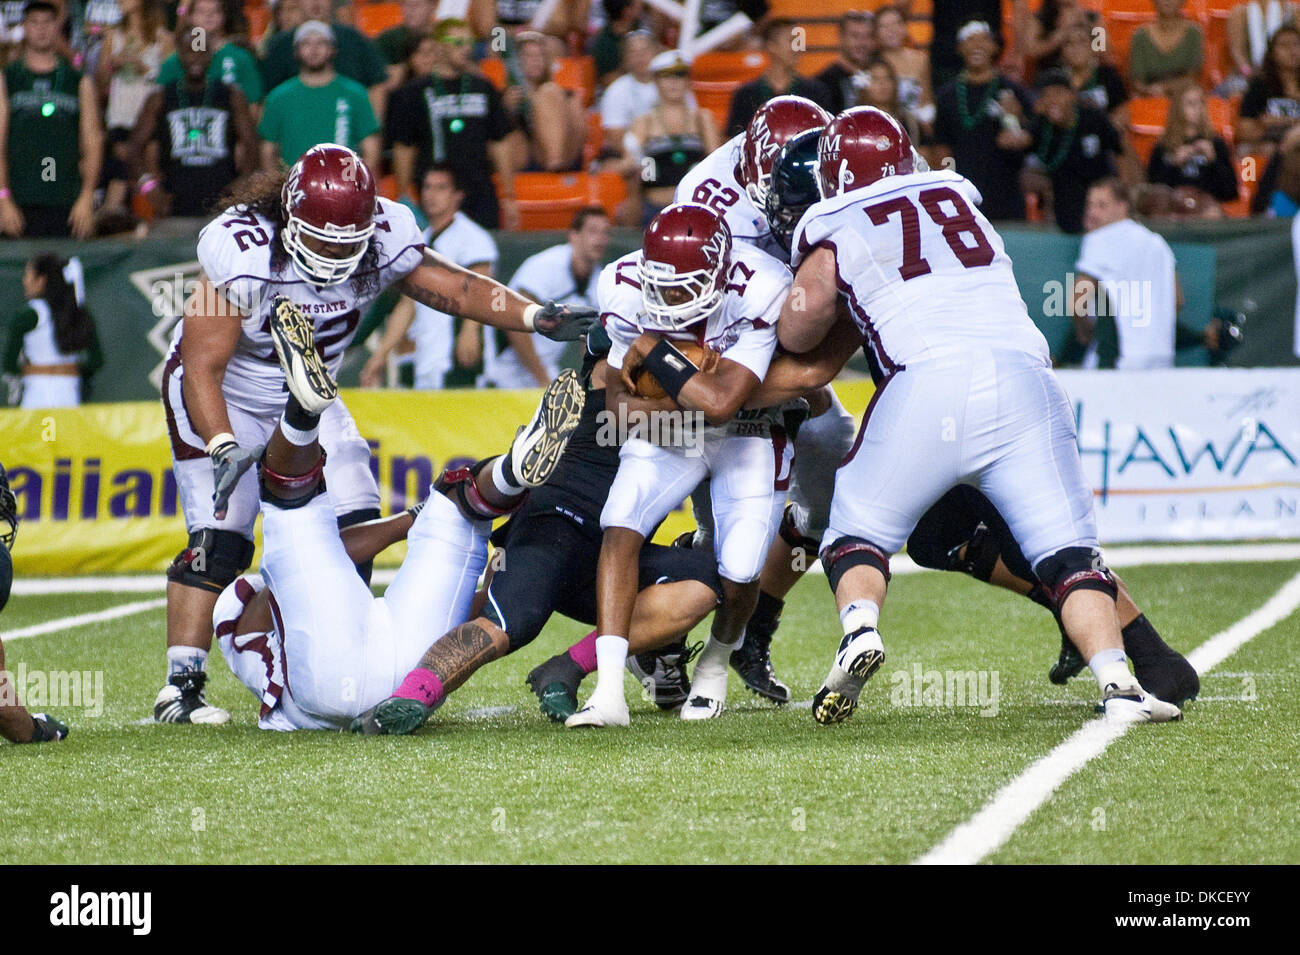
715, 77
1146, 123
920, 33
1223, 117
595, 138
1121, 19
1218, 55
374, 18
810, 64
577, 73
494, 71
259, 18
548, 200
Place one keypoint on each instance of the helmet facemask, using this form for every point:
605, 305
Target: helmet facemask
661, 283
324, 270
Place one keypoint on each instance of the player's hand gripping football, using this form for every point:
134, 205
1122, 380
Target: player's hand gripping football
229, 461
564, 323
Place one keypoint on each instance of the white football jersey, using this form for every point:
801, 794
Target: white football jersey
925, 273
713, 182
234, 251
742, 328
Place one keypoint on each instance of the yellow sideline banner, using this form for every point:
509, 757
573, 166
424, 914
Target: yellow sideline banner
96, 493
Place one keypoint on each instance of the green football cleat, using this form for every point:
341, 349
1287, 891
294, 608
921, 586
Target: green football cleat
396, 716
555, 684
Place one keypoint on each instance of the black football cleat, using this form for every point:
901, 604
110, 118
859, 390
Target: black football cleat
662, 673
395, 716
182, 701
753, 661
1068, 665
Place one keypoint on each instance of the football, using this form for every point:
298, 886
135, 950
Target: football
704, 357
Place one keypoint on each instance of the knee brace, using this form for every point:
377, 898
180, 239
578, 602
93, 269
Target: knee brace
213, 559
458, 484
789, 531
291, 491
1072, 568
849, 552
367, 567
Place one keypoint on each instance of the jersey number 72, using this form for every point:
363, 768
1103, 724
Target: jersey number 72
960, 223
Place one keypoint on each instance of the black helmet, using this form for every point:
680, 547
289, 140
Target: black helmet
794, 186
8, 512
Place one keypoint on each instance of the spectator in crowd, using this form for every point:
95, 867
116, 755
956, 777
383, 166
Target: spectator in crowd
1250, 26
631, 95
665, 143
448, 349
454, 116
194, 135
911, 66
1190, 157
1271, 106
70, 40
564, 273
98, 18
16, 724
1041, 36
947, 18
1097, 84
317, 106
286, 15
52, 135
845, 78
979, 118
550, 122
129, 61
230, 63
1126, 293
1074, 145
479, 15
621, 18
423, 58
356, 57
565, 18
784, 50
1166, 51
881, 91
397, 43
51, 342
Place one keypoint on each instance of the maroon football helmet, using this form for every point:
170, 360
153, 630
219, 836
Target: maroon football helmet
860, 146
684, 263
329, 195
777, 122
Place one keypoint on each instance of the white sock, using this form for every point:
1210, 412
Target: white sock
502, 479
859, 614
611, 656
1111, 666
298, 438
180, 659
715, 657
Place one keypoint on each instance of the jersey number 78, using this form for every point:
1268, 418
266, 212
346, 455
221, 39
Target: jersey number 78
960, 223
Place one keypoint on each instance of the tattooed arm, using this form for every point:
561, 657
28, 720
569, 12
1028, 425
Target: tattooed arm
445, 286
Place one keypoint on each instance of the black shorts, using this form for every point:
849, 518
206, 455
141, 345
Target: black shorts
549, 566
953, 520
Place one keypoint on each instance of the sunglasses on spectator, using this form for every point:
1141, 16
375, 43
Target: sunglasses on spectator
456, 41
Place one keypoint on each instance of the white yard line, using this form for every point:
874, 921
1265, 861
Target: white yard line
901, 564
990, 828
81, 619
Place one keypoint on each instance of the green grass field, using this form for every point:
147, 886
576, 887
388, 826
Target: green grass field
490, 780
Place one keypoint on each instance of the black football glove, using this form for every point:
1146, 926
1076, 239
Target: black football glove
564, 323
229, 461
46, 729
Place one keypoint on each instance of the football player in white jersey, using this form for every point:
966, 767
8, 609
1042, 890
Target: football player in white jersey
305, 635
320, 238
688, 284
967, 397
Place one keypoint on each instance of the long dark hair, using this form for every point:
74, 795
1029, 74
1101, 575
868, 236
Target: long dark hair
262, 193
1269, 68
74, 329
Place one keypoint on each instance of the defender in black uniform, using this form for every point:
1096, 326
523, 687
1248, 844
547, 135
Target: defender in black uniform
547, 564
